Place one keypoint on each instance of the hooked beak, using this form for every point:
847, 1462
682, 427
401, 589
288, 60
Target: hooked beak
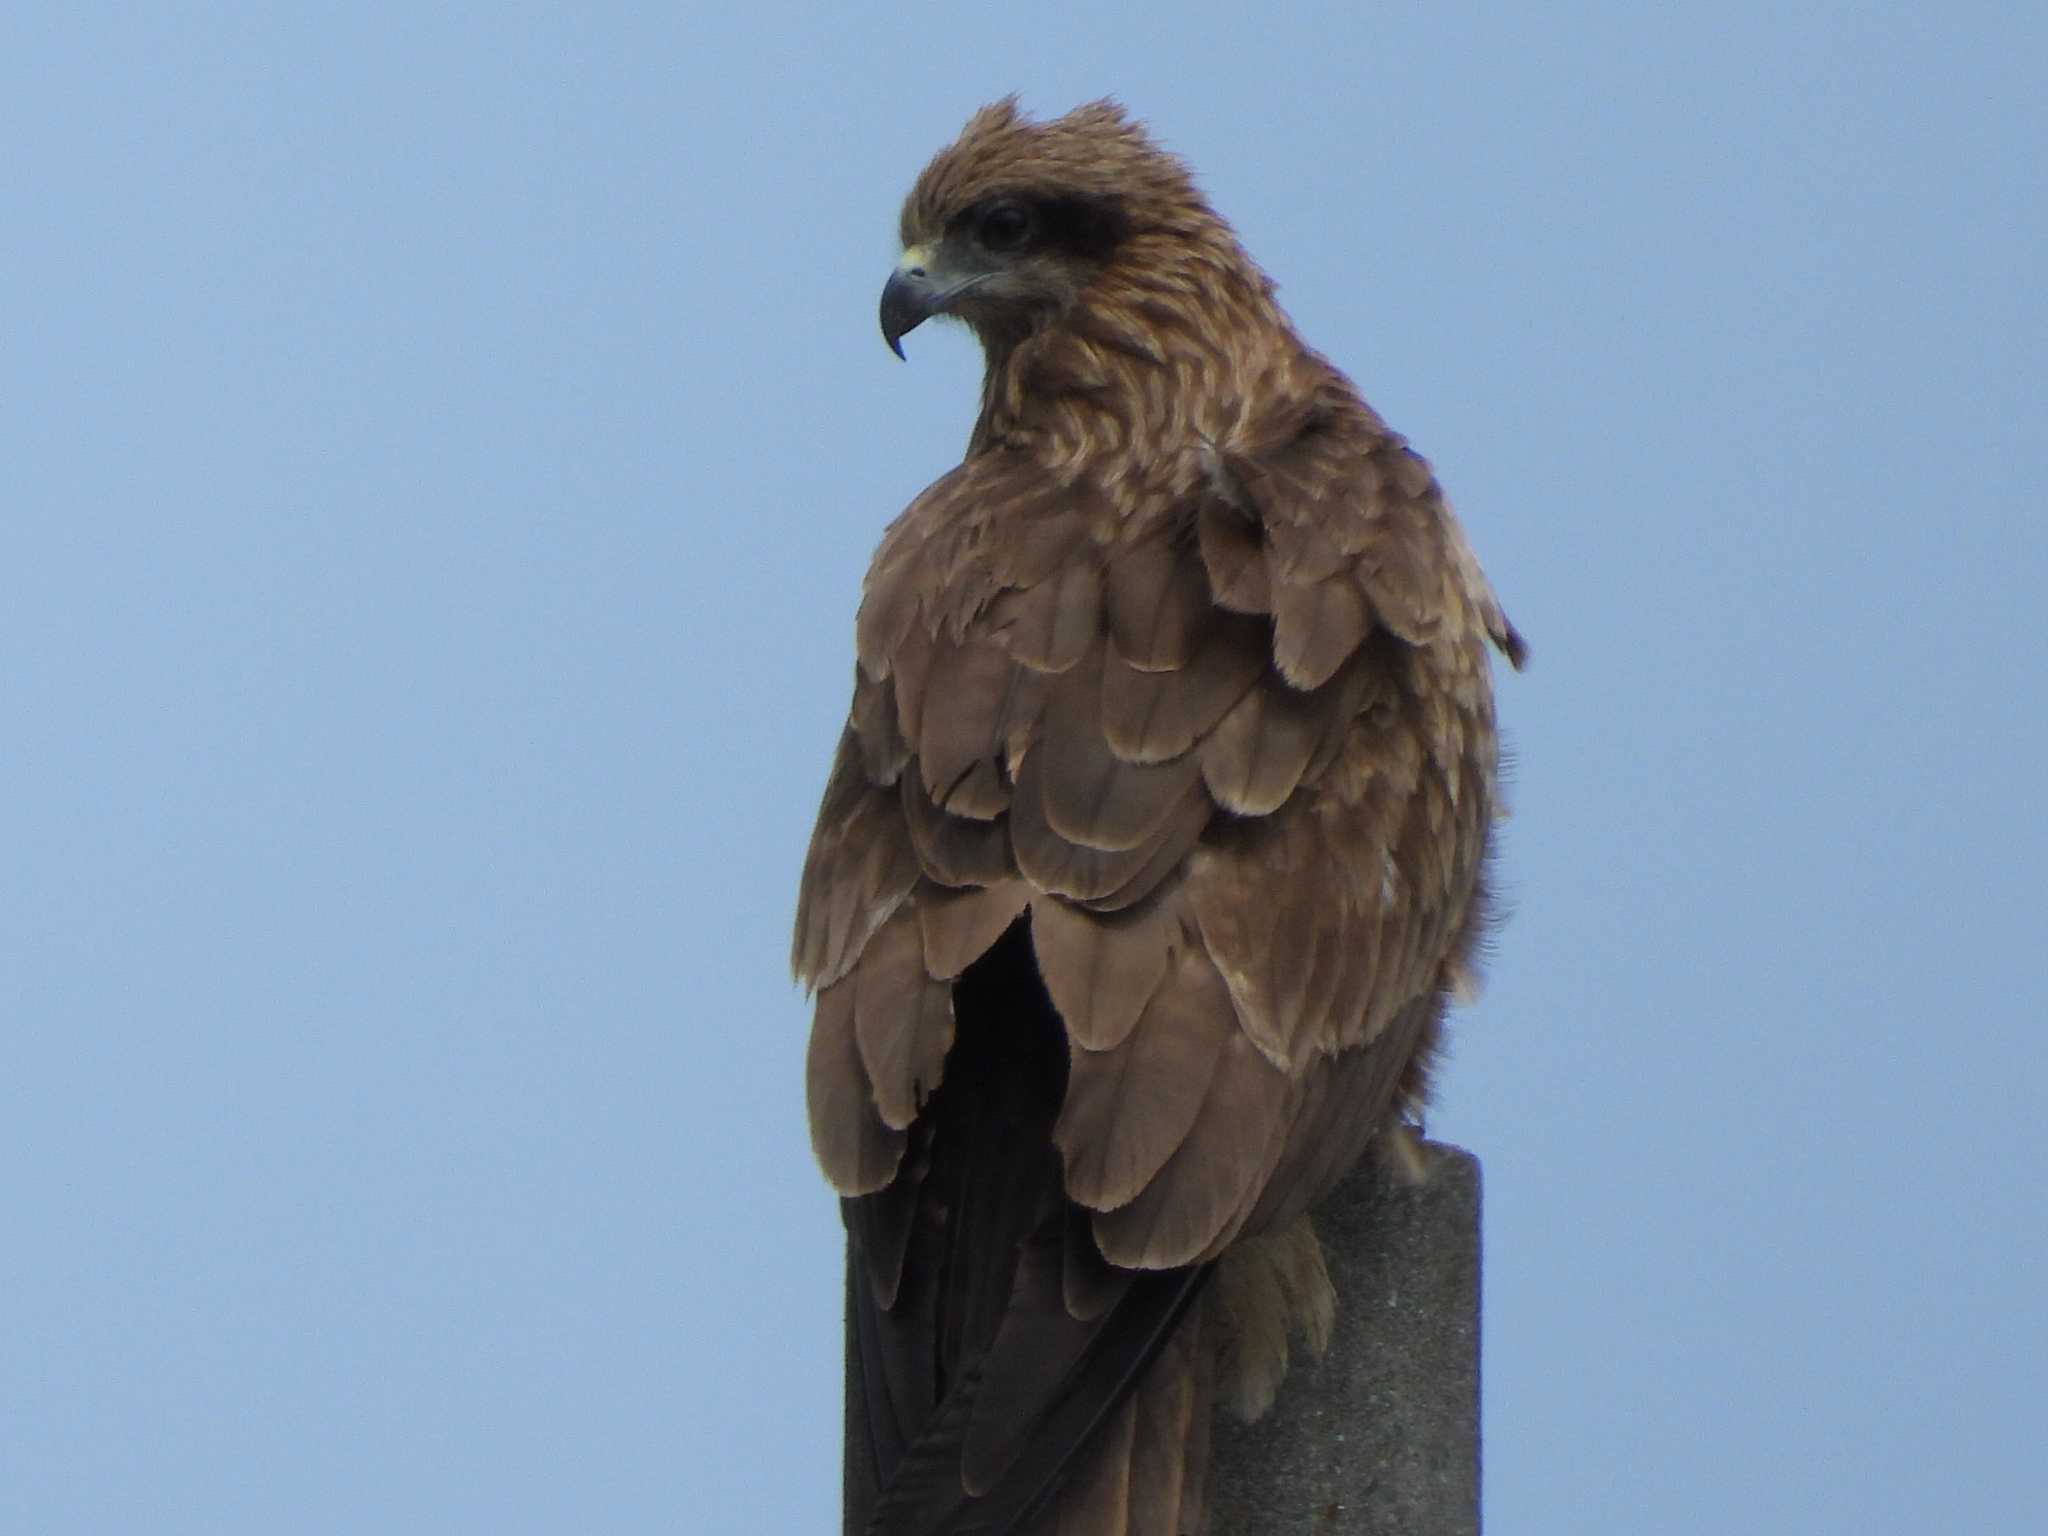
917, 290
909, 299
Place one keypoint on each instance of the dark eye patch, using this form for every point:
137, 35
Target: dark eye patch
1078, 226
1005, 227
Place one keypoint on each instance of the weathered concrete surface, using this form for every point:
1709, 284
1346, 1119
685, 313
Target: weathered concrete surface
1381, 1435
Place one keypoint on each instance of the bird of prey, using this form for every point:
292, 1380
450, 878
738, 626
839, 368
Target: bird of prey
1151, 852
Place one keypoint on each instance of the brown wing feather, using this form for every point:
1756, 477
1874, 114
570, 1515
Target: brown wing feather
1182, 1211
1130, 1106
962, 748
1233, 550
1157, 601
860, 868
1316, 628
1157, 715
1259, 752
1091, 797
961, 851
857, 1149
902, 1020
1054, 624
1063, 866
961, 924
1103, 969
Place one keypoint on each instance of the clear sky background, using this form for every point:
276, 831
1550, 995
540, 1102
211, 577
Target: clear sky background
439, 450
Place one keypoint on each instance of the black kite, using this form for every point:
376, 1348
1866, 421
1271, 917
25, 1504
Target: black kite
1151, 852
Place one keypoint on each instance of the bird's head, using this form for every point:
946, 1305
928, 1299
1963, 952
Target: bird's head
1009, 225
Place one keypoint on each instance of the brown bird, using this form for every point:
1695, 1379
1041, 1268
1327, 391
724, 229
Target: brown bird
1151, 852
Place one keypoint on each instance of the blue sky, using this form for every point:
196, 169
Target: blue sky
442, 446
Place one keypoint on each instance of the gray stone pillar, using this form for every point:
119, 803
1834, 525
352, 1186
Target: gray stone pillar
1380, 1436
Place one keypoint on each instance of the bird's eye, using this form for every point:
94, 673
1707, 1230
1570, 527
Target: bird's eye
1005, 227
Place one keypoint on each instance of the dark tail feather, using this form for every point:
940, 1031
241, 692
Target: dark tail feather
999, 1448
993, 1353
1145, 1471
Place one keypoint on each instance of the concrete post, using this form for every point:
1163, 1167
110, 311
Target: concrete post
1380, 1436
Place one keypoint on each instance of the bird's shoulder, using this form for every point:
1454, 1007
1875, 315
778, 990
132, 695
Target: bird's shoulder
1308, 512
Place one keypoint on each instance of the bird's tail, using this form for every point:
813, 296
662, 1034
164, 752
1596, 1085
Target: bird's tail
1144, 1469
1145, 1472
